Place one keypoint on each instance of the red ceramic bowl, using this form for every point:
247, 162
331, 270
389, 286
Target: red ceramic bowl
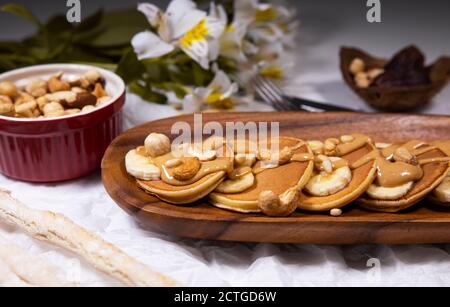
59, 149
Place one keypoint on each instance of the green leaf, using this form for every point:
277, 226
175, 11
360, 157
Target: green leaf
147, 93
118, 28
21, 11
90, 22
129, 67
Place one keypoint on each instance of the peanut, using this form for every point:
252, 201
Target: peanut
37, 88
87, 109
6, 105
403, 155
53, 109
347, 138
173, 163
187, 170
8, 88
336, 212
316, 146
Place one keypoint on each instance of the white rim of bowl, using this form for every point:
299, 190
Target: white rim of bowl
107, 74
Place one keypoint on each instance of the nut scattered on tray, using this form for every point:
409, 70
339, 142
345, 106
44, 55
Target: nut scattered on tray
55, 97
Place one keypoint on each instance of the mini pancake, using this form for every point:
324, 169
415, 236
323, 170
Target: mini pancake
180, 195
434, 174
278, 180
433, 197
362, 178
189, 191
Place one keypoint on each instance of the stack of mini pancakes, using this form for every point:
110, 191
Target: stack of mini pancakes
278, 176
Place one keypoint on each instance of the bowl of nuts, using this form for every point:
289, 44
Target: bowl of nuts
402, 83
57, 120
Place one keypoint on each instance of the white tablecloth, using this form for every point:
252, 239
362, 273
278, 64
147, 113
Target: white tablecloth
206, 263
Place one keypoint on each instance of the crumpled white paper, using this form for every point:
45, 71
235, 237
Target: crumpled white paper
208, 263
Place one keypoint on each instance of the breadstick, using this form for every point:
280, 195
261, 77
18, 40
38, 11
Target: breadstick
31, 269
9, 279
57, 229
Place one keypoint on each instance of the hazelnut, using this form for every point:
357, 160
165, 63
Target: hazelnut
73, 100
53, 109
92, 76
5, 100
55, 84
8, 88
284, 156
357, 66
157, 145
37, 88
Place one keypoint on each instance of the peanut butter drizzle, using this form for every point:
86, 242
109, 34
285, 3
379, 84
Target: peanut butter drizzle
360, 140
261, 166
207, 168
240, 172
390, 174
444, 146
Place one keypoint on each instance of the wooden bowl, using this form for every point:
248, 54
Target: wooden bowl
395, 98
421, 224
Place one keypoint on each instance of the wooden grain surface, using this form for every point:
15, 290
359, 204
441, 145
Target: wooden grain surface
422, 224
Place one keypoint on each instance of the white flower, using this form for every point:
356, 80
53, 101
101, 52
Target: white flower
275, 69
181, 26
231, 42
218, 95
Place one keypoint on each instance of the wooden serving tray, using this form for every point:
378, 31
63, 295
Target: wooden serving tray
424, 223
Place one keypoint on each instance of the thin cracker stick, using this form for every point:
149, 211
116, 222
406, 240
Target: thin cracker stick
31, 269
60, 231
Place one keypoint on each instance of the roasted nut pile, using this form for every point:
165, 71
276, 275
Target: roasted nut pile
55, 97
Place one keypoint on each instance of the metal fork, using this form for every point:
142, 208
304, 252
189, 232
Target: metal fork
271, 94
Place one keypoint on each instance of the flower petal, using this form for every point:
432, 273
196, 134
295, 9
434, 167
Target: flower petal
198, 51
152, 12
182, 16
148, 45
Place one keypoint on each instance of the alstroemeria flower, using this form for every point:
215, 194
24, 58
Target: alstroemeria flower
181, 26
231, 42
218, 95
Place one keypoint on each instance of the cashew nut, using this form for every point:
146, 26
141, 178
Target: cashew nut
92, 76
26, 109
8, 88
98, 91
157, 145
278, 206
187, 170
55, 84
